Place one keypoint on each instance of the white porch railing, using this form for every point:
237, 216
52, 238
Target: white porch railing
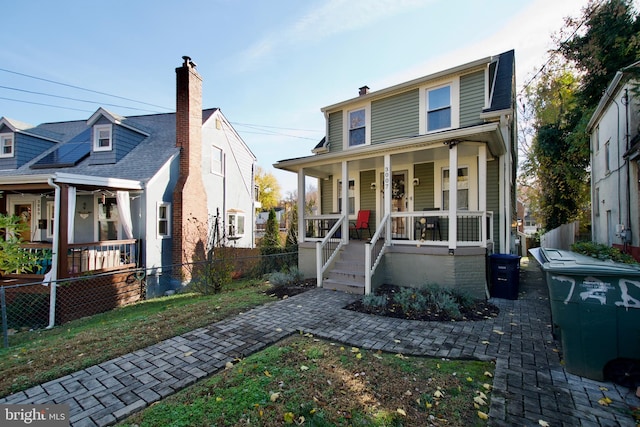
374, 251
473, 228
327, 248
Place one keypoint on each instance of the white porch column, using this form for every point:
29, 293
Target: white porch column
453, 195
386, 185
301, 212
482, 192
345, 201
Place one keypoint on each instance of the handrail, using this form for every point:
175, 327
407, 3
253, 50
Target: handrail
325, 254
369, 255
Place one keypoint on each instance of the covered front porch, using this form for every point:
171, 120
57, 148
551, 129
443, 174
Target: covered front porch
437, 204
74, 228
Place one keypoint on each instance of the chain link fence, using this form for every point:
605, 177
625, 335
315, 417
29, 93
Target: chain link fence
26, 306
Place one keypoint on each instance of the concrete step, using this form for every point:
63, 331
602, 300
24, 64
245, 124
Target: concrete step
348, 287
347, 276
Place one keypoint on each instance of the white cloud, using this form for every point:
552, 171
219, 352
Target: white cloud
329, 19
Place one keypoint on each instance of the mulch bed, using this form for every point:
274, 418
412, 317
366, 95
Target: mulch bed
292, 289
480, 310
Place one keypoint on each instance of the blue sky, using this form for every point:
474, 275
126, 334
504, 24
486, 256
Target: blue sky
269, 65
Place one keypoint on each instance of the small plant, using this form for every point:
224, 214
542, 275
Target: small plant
284, 278
373, 300
446, 303
602, 252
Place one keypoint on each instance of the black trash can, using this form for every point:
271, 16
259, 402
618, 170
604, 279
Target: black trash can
505, 275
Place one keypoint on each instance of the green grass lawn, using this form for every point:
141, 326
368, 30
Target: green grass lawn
43, 355
311, 382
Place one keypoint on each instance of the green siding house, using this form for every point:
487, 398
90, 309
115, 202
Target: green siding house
392, 155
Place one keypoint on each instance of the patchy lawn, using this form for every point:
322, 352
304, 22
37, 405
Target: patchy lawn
306, 381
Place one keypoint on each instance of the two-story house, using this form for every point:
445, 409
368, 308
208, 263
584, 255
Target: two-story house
110, 192
615, 152
432, 163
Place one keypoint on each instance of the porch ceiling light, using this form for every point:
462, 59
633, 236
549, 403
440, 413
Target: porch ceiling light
452, 142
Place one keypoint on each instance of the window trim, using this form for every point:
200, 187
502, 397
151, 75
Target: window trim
444, 189
167, 219
96, 138
347, 126
4, 137
454, 100
236, 214
50, 218
222, 158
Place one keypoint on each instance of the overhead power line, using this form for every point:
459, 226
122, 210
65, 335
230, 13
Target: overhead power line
82, 88
75, 99
45, 105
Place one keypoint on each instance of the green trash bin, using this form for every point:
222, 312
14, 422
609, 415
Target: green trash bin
595, 309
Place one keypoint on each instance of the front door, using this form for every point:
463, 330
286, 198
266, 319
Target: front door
24, 212
399, 204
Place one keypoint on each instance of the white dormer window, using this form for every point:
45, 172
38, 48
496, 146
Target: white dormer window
6, 145
102, 138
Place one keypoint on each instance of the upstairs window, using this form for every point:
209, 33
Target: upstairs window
439, 108
6, 145
164, 213
102, 138
357, 127
217, 160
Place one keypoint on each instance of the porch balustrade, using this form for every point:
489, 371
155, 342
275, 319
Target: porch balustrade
84, 257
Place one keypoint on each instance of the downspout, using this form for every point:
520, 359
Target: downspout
54, 255
625, 102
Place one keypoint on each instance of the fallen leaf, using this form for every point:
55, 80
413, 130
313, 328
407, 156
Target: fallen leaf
604, 389
359, 356
486, 386
486, 342
188, 353
428, 405
481, 394
267, 374
401, 412
355, 350
278, 329
218, 399
438, 394
288, 417
228, 365
482, 415
498, 332
274, 397
304, 368
543, 423
479, 400
605, 401
408, 393
396, 341
469, 379
301, 420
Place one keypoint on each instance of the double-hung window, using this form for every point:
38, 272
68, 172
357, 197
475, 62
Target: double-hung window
439, 108
357, 127
351, 194
164, 214
217, 160
462, 185
6, 145
235, 223
102, 138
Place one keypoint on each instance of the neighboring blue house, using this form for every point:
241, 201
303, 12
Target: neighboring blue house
432, 163
111, 192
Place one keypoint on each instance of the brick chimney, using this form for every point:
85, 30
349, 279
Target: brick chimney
190, 214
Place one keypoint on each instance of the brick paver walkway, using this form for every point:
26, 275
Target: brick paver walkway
530, 383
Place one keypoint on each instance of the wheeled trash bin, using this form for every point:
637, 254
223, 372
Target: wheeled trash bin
595, 309
505, 275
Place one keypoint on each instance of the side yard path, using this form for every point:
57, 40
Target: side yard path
530, 384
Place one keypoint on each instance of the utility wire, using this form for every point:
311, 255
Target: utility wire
75, 99
81, 88
45, 105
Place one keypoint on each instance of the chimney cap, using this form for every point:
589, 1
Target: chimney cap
363, 90
188, 62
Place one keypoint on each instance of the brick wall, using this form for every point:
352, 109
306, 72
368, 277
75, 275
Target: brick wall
190, 214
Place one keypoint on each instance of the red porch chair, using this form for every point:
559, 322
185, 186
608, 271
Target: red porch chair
361, 223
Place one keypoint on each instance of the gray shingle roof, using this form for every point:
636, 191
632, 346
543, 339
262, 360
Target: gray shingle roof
140, 164
502, 96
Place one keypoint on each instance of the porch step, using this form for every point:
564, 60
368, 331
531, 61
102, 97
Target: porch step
348, 287
347, 274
